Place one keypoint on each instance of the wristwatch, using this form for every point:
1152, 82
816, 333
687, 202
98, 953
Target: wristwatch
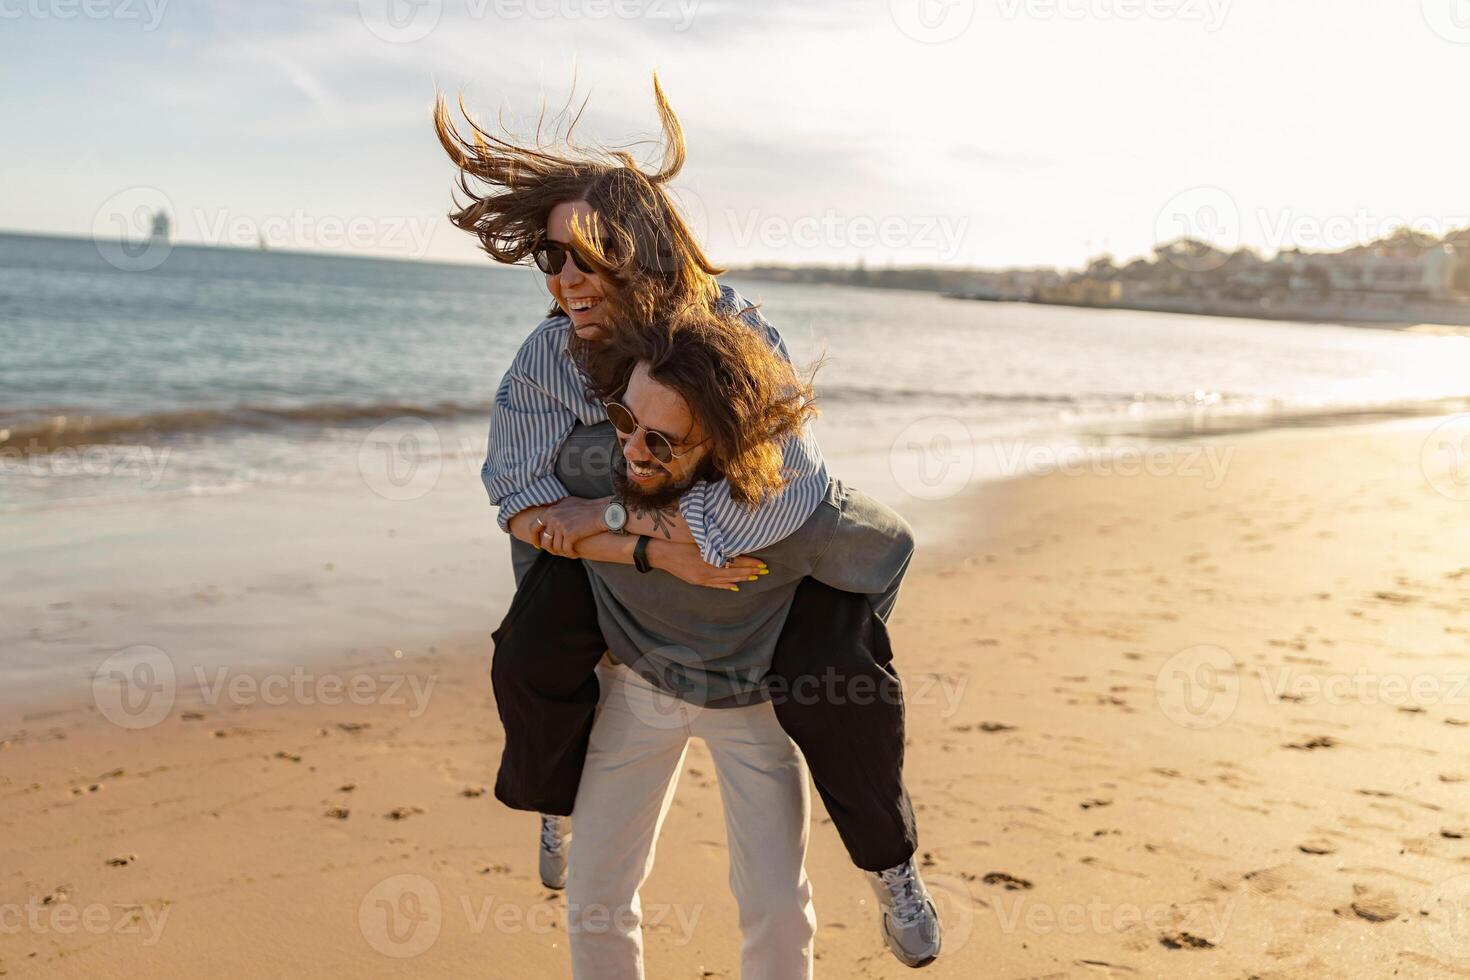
640, 554
615, 517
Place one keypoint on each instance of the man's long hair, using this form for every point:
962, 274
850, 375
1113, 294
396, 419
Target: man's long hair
747, 398
636, 239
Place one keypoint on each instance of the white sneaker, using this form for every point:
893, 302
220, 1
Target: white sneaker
556, 840
910, 920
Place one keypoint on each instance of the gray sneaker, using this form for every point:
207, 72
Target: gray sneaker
910, 920
556, 840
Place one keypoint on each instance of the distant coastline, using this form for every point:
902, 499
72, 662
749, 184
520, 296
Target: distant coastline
1345, 314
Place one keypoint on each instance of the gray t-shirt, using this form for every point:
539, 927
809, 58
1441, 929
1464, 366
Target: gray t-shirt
713, 647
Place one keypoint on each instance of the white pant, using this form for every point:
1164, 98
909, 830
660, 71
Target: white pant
633, 764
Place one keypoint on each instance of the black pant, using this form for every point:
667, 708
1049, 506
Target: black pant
832, 685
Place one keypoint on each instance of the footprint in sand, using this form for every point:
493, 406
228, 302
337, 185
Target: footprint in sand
1009, 882
1313, 743
1105, 968
1371, 905
1267, 881
1184, 940
402, 812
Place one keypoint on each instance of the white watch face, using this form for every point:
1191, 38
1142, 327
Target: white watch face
615, 517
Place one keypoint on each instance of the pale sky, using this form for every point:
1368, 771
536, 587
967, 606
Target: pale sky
955, 132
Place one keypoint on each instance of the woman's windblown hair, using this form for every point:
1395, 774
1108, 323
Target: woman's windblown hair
747, 398
637, 238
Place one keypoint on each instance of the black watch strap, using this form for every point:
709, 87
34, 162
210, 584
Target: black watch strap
640, 554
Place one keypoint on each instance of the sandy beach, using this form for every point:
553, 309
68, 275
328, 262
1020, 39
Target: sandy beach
1160, 726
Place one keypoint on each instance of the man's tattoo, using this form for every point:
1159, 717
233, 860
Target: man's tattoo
659, 515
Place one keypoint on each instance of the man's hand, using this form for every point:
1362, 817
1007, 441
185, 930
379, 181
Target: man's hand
568, 521
683, 561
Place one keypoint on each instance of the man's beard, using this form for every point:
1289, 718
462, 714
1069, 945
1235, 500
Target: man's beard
661, 497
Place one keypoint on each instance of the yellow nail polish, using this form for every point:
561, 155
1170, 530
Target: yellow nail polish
752, 578
764, 571
734, 588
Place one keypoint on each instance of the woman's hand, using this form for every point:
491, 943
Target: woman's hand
683, 561
568, 521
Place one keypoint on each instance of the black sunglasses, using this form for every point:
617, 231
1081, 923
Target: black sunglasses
660, 446
551, 256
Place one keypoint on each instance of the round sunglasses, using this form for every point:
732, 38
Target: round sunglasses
551, 256
660, 446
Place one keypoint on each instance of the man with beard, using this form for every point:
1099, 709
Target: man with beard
705, 395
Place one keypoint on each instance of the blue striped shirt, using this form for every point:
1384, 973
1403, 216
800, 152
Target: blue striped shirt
542, 397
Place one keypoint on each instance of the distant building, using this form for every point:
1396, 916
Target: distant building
162, 227
1379, 271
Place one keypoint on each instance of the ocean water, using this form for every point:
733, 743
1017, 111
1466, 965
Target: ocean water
218, 370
